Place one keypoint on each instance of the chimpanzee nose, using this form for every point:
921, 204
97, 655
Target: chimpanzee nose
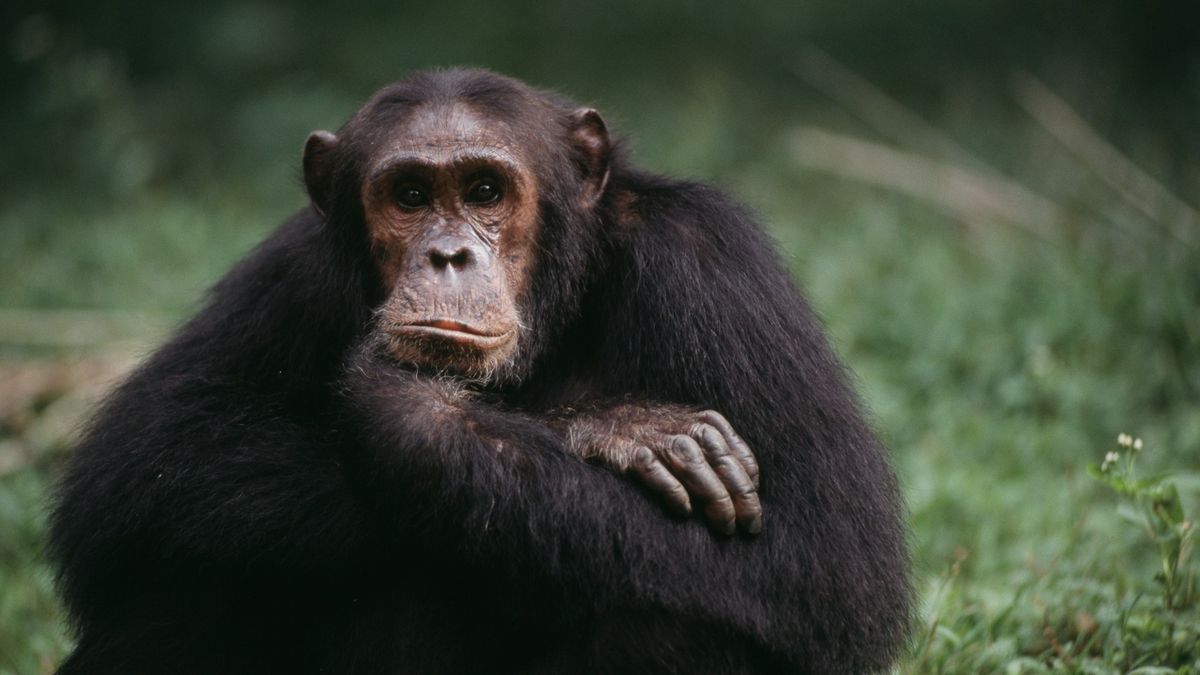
453, 254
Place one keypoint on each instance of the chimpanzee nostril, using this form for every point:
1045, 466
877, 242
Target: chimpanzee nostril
441, 257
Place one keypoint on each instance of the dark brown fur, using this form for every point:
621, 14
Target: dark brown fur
265, 496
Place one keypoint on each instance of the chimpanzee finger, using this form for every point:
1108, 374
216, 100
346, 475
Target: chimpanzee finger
658, 479
733, 475
688, 463
737, 446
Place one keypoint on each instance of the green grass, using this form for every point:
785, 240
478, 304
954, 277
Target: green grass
998, 365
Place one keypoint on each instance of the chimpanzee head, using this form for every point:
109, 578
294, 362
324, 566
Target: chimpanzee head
465, 186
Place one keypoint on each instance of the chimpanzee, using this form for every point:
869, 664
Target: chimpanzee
430, 425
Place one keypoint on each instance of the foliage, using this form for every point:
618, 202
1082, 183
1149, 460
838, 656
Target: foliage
1166, 630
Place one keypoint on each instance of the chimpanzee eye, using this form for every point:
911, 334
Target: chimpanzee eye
411, 196
483, 191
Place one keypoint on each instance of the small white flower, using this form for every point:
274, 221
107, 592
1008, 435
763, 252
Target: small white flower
1109, 459
1124, 440
1137, 444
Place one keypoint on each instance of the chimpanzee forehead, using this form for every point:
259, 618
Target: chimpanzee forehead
440, 131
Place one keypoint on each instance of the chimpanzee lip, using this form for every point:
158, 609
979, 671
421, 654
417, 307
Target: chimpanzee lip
452, 325
452, 330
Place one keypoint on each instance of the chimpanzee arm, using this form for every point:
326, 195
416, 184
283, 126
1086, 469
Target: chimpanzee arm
701, 311
500, 490
210, 469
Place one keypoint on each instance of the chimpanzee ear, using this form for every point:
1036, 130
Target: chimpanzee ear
589, 137
318, 169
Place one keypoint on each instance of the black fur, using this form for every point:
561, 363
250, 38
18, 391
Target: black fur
258, 499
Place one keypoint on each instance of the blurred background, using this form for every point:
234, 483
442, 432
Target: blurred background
994, 206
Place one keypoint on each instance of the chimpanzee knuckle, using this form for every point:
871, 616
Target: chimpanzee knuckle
716, 447
700, 431
686, 450
660, 443
650, 463
742, 489
751, 465
749, 505
644, 458
747, 458
730, 469
723, 503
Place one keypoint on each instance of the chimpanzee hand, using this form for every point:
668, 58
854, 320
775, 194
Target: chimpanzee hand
679, 454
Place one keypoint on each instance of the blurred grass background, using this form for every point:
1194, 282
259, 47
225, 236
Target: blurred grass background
992, 204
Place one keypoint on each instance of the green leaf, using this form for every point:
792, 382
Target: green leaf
1149, 483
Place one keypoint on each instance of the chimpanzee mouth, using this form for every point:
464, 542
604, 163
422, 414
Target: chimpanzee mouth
453, 331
